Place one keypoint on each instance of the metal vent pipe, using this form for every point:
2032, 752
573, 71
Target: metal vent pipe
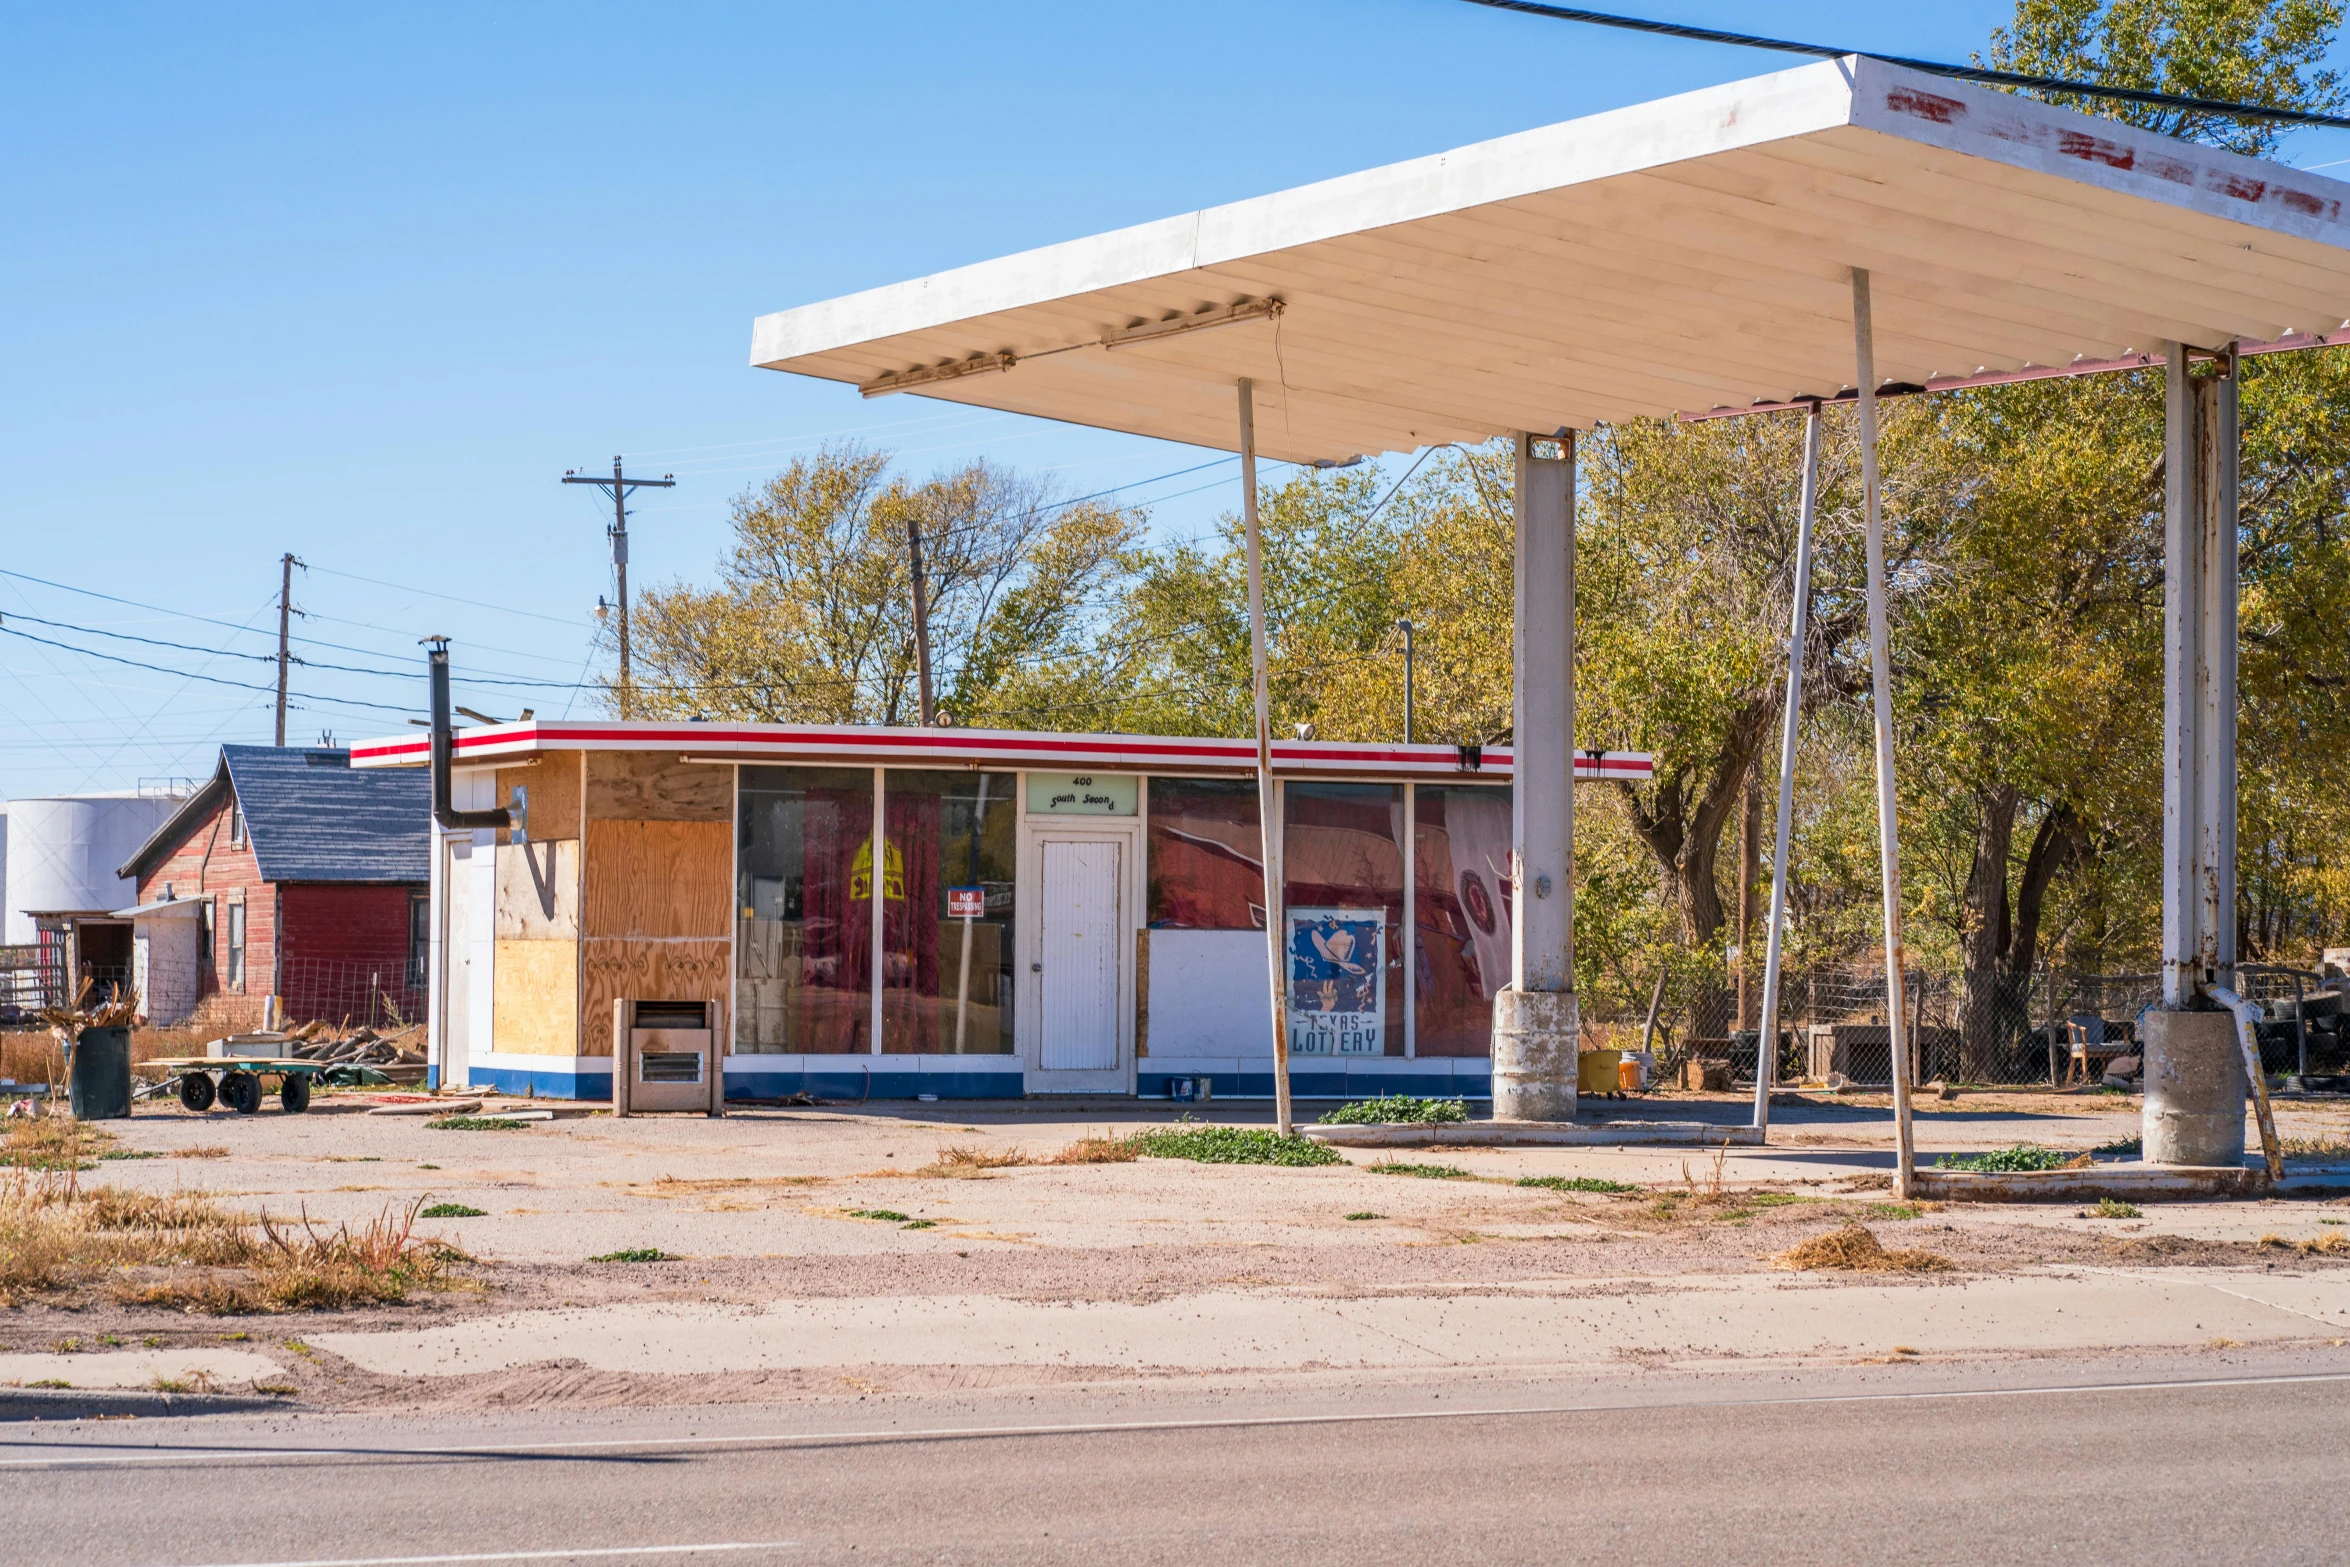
444, 745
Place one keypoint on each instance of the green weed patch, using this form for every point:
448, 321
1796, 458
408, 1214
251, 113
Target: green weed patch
1396, 1107
1233, 1145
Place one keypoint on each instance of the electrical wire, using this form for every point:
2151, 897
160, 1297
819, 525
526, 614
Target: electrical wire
1963, 73
216, 680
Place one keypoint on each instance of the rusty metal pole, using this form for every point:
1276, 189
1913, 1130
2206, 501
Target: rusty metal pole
1881, 693
1268, 800
1790, 726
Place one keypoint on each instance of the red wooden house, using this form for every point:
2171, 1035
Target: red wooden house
288, 875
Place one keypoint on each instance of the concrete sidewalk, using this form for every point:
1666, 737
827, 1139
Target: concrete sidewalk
1691, 1318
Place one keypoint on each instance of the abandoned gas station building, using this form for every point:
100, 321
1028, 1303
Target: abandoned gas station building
1045, 912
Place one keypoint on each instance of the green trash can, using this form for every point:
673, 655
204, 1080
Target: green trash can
99, 1078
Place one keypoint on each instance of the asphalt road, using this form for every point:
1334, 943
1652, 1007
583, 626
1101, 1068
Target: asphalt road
2224, 1460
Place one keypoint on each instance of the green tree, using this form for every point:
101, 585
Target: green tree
2266, 52
811, 620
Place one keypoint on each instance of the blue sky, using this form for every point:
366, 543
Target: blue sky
362, 285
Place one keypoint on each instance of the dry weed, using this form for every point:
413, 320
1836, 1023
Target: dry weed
960, 1163
53, 1235
51, 1142
1855, 1249
2328, 1245
2313, 1147
1100, 1149
208, 1152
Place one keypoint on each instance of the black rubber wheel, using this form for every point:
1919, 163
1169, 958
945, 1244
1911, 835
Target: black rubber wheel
196, 1091
241, 1092
293, 1092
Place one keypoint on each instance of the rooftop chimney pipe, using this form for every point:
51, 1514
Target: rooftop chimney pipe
444, 746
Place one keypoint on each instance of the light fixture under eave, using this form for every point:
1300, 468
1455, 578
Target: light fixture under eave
931, 375
1214, 316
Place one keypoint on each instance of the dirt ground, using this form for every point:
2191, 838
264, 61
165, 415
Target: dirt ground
862, 1203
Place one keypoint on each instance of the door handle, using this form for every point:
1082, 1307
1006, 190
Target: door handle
1036, 968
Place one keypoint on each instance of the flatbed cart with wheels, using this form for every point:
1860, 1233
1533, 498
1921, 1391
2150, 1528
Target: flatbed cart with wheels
236, 1081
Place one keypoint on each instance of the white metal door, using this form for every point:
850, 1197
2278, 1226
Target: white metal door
1080, 956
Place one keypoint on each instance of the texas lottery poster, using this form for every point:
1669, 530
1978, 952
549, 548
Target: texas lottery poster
1337, 982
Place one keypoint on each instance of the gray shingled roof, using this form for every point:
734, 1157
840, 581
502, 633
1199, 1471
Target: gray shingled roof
311, 817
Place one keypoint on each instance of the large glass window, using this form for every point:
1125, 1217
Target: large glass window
1342, 862
946, 920
1207, 865
1462, 906
804, 906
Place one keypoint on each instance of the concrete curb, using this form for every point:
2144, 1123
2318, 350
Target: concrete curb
2123, 1182
1535, 1134
44, 1403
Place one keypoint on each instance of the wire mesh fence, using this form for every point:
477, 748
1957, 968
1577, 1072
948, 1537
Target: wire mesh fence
383, 993
2042, 1027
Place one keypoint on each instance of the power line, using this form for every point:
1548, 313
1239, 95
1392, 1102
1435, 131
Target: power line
403, 587
1963, 73
217, 680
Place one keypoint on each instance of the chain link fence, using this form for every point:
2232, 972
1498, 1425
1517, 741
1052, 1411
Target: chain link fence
2045, 1028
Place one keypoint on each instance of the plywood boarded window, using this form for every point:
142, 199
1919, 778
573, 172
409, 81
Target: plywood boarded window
658, 878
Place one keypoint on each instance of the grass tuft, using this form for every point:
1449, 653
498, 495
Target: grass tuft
2021, 1158
2110, 1208
475, 1123
957, 1162
1390, 1108
635, 1254
1365, 1214
886, 1215
1233, 1145
1426, 1172
1854, 1249
1578, 1183
2322, 1246
1100, 1149
451, 1210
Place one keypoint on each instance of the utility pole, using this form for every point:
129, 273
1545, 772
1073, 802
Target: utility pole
921, 620
619, 487
1407, 680
285, 618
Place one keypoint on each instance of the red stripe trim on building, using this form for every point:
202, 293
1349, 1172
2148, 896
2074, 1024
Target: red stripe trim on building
755, 742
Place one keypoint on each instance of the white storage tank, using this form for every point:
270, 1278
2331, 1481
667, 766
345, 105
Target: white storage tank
63, 851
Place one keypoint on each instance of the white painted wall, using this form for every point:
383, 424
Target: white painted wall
62, 854
1208, 994
163, 964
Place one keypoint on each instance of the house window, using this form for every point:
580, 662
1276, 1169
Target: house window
419, 937
234, 979
204, 933
236, 823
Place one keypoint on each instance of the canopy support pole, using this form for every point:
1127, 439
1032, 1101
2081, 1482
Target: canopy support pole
2195, 1078
1535, 1023
1268, 805
1766, 1039
1881, 691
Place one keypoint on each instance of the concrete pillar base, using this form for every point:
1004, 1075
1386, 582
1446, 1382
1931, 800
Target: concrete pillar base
1534, 1046
2194, 1089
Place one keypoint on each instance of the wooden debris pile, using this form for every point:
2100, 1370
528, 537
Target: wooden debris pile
359, 1047
118, 1010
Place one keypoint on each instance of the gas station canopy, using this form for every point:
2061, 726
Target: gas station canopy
1687, 254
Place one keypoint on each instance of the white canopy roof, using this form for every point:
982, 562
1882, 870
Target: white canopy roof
1680, 255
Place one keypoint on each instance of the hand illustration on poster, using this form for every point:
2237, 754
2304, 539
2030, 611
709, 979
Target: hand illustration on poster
1337, 982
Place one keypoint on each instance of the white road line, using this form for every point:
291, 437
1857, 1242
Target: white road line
61, 1452
577, 1554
